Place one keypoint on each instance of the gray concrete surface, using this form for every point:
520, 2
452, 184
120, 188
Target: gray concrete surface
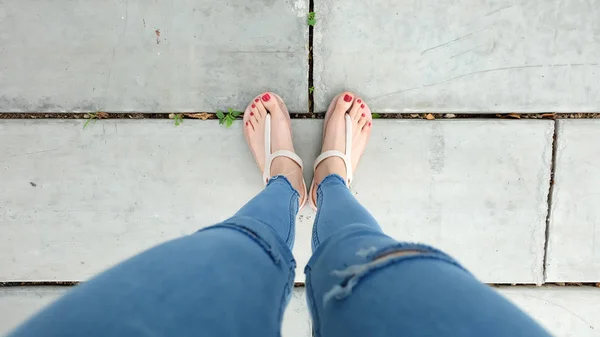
91, 55
574, 244
475, 188
79, 200
19, 303
564, 311
296, 319
465, 55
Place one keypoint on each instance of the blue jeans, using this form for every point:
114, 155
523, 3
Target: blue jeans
235, 279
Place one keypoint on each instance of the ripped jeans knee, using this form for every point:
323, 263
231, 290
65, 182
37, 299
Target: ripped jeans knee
347, 257
378, 259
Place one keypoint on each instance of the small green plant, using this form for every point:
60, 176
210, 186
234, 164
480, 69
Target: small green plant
375, 115
227, 118
311, 19
94, 116
178, 119
311, 89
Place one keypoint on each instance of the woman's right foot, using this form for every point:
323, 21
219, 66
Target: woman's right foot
334, 135
281, 139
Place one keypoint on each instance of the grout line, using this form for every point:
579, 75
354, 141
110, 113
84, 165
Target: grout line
311, 101
310, 115
520, 285
549, 198
302, 284
38, 283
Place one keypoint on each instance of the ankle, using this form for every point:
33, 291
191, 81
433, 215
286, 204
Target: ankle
329, 166
291, 171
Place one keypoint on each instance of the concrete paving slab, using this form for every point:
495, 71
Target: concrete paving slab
574, 240
19, 303
135, 55
144, 181
459, 56
296, 319
79, 200
564, 311
476, 189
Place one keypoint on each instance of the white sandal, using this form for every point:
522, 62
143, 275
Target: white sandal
269, 157
346, 157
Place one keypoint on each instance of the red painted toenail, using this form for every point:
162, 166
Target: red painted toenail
362, 106
266, 97
256, 100
363, 115
246, 123
347, 98
358, 101
251, 113
253, 106
369, 123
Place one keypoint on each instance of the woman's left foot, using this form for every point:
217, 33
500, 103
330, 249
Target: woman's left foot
281, 138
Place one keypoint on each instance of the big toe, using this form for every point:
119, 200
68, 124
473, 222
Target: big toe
344, 102
270, 103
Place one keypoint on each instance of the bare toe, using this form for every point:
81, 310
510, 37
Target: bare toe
344, 102
254, 114
355, 110
362, 121
261, 112
270, 103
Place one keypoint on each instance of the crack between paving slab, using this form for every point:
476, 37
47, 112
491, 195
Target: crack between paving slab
310, 115
298, 284
38, 283
311, 104
549, 199
64, 284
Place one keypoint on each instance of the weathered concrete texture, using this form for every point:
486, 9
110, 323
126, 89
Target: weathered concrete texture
574, 241
474, 188
134, 55
296, 319
465, 55
564, 311
79, 200
19, 303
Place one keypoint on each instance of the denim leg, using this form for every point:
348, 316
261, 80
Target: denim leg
336, 208
276, 206
231, 279
357, 285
